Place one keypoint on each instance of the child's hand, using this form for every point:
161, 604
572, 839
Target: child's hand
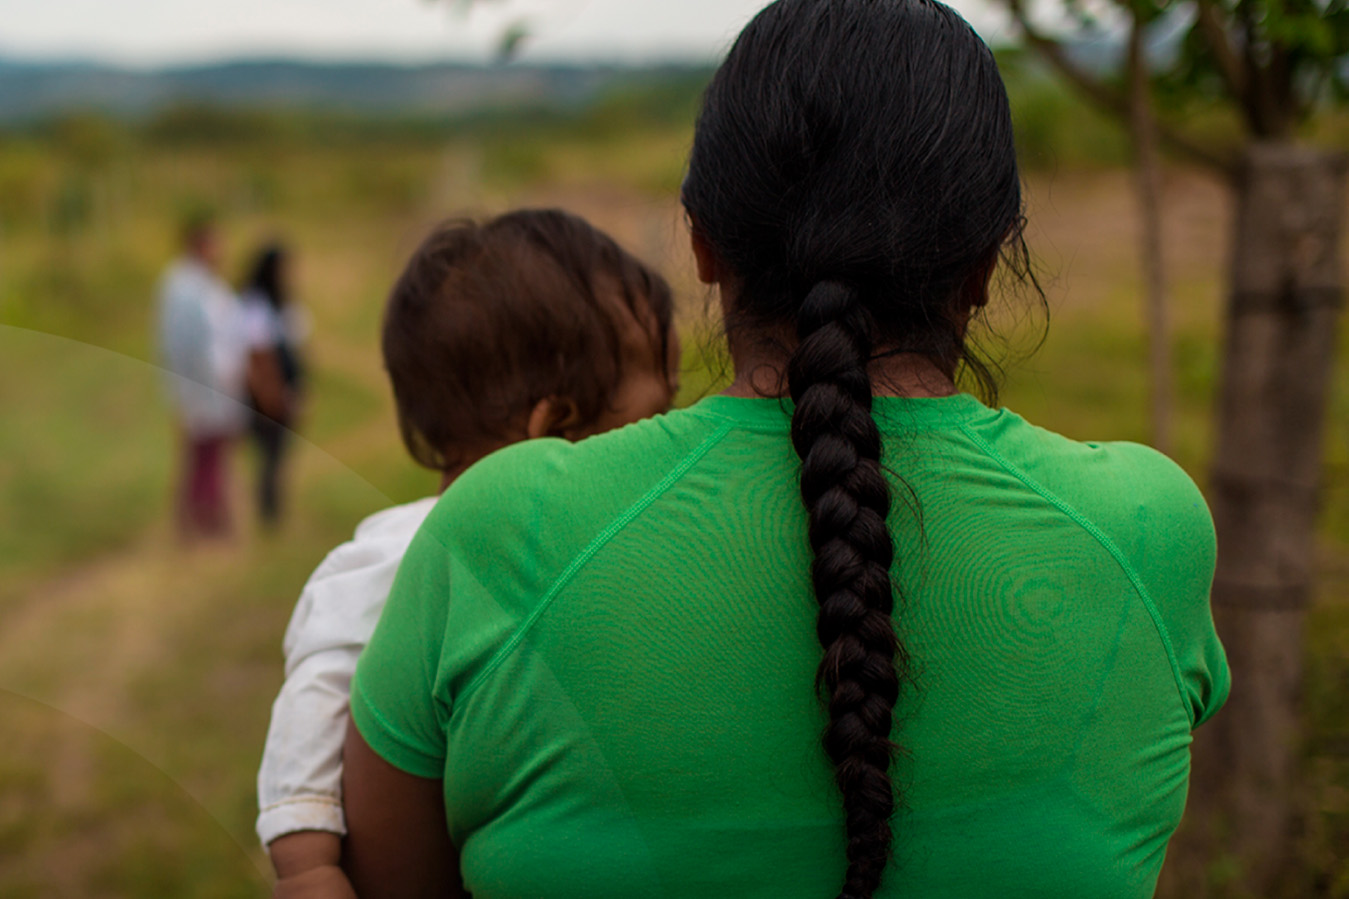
323, 882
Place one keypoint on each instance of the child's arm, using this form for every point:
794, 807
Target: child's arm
307, 866
299, 783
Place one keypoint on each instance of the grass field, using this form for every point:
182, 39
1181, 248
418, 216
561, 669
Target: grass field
136, 674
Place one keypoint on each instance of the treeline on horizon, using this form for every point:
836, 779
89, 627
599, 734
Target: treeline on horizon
654, 98
1055, 127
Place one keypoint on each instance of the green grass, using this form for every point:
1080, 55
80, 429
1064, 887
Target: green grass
84, 453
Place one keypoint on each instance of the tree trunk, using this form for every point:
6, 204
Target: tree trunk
1283, 306
1147, 175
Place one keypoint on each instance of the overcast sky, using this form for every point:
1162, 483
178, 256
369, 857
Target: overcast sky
155, 32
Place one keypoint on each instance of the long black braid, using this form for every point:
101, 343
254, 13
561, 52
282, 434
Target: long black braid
847, 498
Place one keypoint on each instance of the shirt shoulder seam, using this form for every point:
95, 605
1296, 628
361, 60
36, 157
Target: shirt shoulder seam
1108, 545
405, 743
595, 545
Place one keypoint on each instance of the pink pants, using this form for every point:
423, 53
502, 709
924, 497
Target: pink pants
202, 507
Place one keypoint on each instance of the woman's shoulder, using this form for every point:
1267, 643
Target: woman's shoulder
1147, 512
1091, 473
1156, 505
1131, 497
569, 488
1135, 500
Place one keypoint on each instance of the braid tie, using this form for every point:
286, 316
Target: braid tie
847, 499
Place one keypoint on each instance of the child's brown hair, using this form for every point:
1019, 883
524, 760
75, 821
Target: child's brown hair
488, 319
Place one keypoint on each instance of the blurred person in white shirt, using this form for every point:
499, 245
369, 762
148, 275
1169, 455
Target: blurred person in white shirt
204, 349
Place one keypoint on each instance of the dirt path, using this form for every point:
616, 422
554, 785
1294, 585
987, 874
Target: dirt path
115, 590
79, 645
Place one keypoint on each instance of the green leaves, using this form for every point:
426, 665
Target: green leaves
1272, 62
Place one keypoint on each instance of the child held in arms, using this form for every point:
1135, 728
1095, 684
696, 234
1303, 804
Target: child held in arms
534, 324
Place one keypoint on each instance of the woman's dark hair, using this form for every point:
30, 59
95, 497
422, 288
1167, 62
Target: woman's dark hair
267, 276
486, 320
853, 168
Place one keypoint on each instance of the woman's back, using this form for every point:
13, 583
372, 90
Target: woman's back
620, 701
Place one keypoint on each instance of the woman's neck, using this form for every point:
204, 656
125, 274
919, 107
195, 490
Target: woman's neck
761, 371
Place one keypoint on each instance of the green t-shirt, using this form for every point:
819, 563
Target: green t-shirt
607, 651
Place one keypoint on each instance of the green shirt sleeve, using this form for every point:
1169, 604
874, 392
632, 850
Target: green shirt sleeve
1177, 564
393, 697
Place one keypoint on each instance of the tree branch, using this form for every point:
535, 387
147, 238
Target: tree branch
1230, 64
1110, 99
1148, 185
1098, 91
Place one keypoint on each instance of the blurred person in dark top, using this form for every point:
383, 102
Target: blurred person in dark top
275, 328
204, 351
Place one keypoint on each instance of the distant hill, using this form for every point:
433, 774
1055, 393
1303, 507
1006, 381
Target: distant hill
39, 90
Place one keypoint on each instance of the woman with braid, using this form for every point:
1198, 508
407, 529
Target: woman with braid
840, 631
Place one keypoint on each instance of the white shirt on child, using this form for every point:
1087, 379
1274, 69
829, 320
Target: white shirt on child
300, 781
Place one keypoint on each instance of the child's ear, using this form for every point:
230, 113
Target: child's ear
554, 416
